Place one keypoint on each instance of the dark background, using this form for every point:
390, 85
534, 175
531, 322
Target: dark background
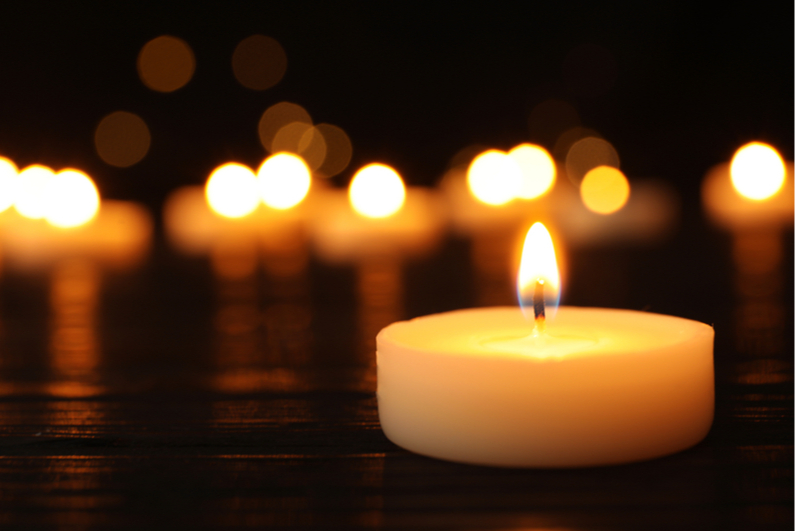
411, 86
165, 424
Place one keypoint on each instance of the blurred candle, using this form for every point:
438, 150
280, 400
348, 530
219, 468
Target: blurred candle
607, 210
377, 217
240, 204
491, 202
754, 191
752, 198
60, 216
377, 226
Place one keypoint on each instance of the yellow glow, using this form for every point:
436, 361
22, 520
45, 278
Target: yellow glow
538, 264
8, 183
604, 190
72, 199
166, 63
757, 171
494, 178
377, 191
231, 190
538, 170
31, 195
284, 180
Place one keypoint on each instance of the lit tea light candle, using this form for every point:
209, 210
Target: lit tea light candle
606, 210
565, 388
377, 217
499, 191
491, 203
238, 203
59, 216
754, 191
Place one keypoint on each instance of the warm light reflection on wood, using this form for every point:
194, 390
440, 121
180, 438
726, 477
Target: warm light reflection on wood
73, 338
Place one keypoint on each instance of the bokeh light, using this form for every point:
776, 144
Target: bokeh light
166, 63
494, 177
232, 190
284, 180
31, 191
122, 139
72, 199
604, 190
757, 171
302, 139
377, 191
259, 62
8, 183
588, 153
538, 170
276, 117
338, 150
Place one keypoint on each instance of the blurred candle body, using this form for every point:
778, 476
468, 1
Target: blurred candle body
754, 191
60, 216
377, 217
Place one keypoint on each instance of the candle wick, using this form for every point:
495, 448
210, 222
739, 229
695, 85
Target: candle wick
539, 308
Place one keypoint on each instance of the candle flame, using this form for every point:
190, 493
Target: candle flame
757, 171
284, 180
231, 190
377, 191
538, 267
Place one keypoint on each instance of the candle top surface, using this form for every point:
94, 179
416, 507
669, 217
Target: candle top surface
504, 332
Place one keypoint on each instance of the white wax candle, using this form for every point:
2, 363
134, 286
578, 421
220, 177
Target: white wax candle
649, 216
341, 235
599, 387
727, 208
118, 236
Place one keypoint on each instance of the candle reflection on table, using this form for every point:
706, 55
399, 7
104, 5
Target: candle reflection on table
752, 199
74, 343
376, 227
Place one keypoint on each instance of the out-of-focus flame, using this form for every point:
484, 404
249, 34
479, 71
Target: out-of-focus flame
31, 191
284, 180
231, 190
494, 177
757, 171
604, 190
72, 199
538, 265
377, 191
8, 183
538, 170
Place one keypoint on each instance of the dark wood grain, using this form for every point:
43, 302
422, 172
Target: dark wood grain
171, 420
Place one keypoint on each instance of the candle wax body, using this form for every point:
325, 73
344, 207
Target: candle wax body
118, 236
340, 235
603, 387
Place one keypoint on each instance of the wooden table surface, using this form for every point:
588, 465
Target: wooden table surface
169, 396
